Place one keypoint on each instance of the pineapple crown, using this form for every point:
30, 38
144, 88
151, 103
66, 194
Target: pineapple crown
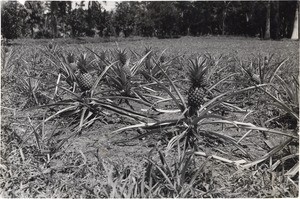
147, 50
125, 71
6, 49
197, 70
121, 56
103, 55
84, 63
50, 45
122, 72
162, 58
71, 57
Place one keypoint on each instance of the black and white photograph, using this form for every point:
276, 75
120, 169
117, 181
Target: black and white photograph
149, 99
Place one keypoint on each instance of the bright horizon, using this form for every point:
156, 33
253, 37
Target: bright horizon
109, 5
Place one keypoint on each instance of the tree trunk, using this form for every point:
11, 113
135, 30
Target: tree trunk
64, 29
268, 21
54, 26
276, 19
189, 31
295, 34
223, 21
224, 15
32, 31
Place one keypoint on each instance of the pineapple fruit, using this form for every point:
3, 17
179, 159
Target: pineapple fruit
195, 97
196, 73
84, 80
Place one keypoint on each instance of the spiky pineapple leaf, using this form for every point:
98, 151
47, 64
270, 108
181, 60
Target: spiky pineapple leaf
276, 69
122, 111
177, 102
276, 149
282, 105
220, 81
250, 126
100, 77
163, 173
125, 98
138, 64
222, 97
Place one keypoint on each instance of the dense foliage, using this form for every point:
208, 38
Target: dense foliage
148, 18
193, 117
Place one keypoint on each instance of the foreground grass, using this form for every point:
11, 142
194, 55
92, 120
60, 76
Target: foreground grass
82, 167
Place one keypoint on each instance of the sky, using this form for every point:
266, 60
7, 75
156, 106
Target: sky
109, 5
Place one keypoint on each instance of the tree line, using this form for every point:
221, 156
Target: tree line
163, 19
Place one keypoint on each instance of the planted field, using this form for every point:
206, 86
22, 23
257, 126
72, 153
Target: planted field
187, 117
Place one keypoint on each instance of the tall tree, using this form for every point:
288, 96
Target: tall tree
144, 22
11, 21
93, 17
186, 11
64, 9
124, 17
165, 16
106, 25
276, 20
77, 21
225, 6
54, 15
207, 17
34, 18
58, 12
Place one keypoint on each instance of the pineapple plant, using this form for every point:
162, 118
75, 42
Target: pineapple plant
154, 62
69, 59
197, 71
84, 78
124, 61
102, 60
120, 79
53, 48
148, 63
121, 56
127, 70
122, 76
